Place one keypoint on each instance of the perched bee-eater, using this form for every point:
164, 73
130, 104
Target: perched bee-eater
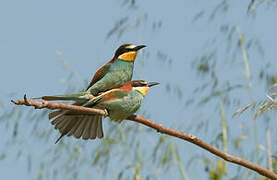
117, 71
113, 74
120, 103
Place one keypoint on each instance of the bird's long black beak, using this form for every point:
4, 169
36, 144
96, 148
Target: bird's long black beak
152, 84
139, 47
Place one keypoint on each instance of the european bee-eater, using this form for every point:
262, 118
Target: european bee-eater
113, 74
120, 103
117, 71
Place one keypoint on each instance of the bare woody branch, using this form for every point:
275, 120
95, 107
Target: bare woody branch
171, 132
48, 105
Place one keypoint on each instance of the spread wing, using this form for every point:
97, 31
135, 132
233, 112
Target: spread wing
77, 124
81, 125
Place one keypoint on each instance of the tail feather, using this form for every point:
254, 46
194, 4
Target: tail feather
62, 135
64, 125
80, 129
76, 125
62, 111
88, 129
82, 96
94, 128
57, 120
55, 113
91, 132
80, 126
100, 133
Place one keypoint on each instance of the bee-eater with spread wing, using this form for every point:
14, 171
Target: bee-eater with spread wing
120, 103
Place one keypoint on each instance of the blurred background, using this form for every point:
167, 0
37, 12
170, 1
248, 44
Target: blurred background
211, 58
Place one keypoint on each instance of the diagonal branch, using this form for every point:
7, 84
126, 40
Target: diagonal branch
164, 130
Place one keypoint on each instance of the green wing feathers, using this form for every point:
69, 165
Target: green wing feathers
102, 71
105, 97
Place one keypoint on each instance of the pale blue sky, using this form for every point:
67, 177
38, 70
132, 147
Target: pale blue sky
32, 32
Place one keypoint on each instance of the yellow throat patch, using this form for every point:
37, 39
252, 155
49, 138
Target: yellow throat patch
142, 90
128, 56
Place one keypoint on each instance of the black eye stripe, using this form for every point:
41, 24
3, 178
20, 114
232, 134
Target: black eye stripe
139, 84
136, 84
125, 50
122, 51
